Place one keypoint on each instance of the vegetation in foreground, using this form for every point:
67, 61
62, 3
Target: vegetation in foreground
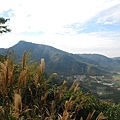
26, 93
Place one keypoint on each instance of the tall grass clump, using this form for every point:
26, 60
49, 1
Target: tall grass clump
30, 95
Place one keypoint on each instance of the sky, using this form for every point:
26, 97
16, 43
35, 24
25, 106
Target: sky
75, 26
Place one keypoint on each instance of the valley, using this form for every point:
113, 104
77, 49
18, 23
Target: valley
100, 86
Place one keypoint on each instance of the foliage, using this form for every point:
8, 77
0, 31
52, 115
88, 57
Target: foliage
2, 58
4, 28
31, 95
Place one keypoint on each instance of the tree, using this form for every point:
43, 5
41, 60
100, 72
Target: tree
3, 27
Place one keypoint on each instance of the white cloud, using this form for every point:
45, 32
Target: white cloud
110, 16
7, 40
51, 17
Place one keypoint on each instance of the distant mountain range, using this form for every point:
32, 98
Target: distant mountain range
65, 63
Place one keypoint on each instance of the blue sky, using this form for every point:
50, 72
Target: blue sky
75, 26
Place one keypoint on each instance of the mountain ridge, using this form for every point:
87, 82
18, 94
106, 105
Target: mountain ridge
60, 61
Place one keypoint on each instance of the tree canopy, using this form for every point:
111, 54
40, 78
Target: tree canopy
3, 27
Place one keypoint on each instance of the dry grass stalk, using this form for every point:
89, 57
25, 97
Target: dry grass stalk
11, 77
40, 70
23, 60
67, 105
24, 73
37, 76
43, 98
73, 85
26, 76
23, 78
54, 74
76, 88
59, 94
1, 110
101, 117
42, 65
6, 77
65, 115
5, 72
78, 107
78, 97
81, 118
90, 115
53, 110
53, 107
17, 103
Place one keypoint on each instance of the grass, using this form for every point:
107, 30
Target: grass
29, 95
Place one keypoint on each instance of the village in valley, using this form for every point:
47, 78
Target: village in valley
101, 86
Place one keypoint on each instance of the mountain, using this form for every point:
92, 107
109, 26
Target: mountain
116, 58
2, 51
60, 61
104, 62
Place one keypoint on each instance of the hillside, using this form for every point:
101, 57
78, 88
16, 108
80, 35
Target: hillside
57, 60
104, 62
